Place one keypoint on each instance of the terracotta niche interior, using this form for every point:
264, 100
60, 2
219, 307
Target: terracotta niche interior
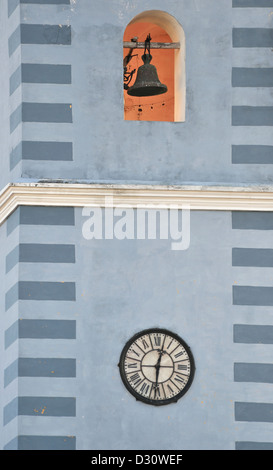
150, 108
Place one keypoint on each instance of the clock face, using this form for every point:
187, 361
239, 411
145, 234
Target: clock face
156, 366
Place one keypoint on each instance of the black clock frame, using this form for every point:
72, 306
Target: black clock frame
138, 396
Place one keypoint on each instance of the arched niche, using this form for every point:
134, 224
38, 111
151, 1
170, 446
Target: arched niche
170, 65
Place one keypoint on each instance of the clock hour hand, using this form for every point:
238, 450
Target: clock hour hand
156, 380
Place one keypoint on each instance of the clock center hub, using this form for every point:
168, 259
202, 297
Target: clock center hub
152, 362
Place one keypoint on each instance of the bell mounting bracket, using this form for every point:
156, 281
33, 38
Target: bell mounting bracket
147, 45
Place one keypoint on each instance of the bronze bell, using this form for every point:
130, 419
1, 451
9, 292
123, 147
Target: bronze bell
147, 82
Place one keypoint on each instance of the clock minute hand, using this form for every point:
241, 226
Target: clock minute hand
157, 366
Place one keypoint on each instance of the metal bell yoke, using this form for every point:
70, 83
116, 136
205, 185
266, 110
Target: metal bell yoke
147, 82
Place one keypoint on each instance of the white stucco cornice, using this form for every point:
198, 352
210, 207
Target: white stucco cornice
195, 197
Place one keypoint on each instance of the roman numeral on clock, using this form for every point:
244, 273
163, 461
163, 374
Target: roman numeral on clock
180, 379
182, 367
136, 379
178, 354
144, 388
145, 344
132, 365
157, 340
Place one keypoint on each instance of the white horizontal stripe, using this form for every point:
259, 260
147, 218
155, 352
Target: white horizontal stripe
194, 197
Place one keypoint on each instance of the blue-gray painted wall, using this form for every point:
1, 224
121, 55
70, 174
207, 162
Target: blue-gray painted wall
65, 321
123, 286
83, 41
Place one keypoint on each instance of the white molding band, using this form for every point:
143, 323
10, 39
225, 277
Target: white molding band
195, 197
